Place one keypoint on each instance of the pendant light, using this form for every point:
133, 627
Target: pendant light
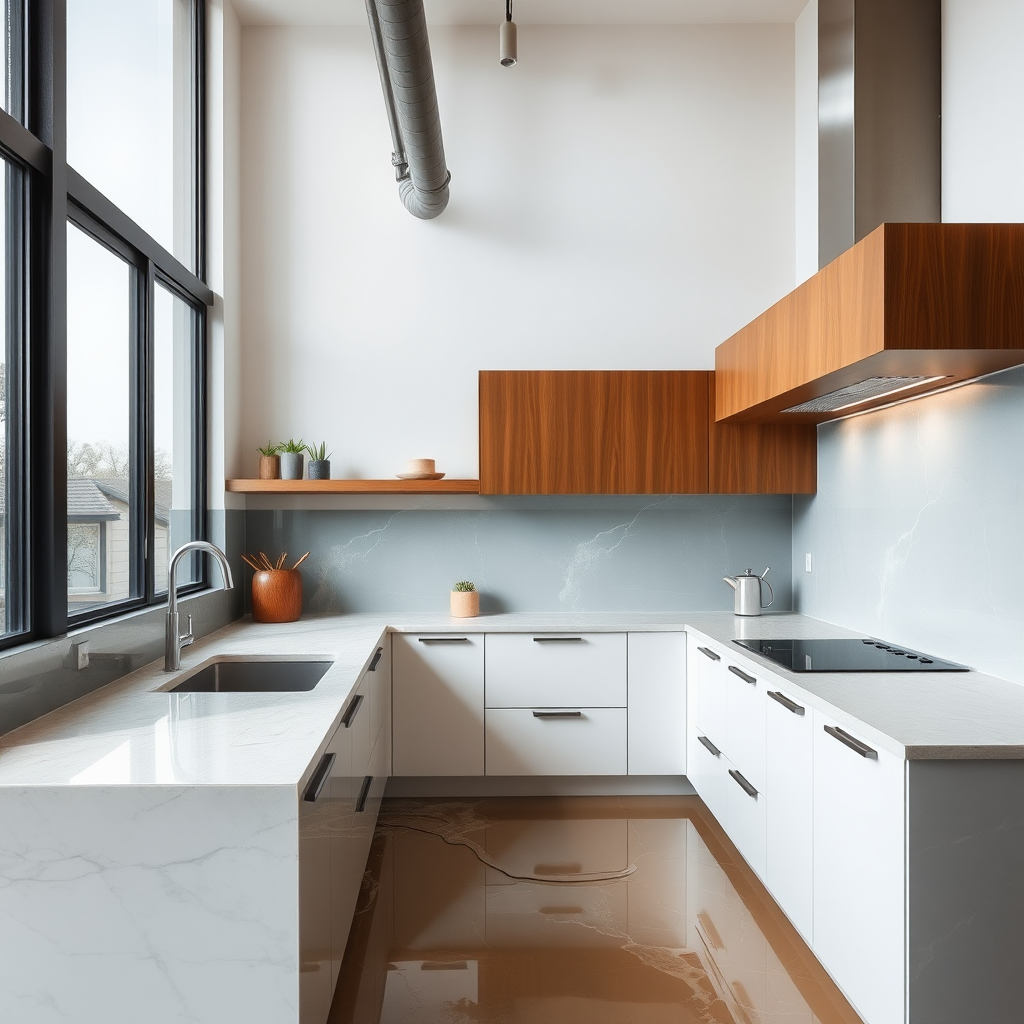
507, 49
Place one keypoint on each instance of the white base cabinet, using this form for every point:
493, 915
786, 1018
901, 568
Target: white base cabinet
438, 704
789, 774
859, 870
656, 673
576, 741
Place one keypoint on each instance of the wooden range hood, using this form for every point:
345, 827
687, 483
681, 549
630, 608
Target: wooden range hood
943, 303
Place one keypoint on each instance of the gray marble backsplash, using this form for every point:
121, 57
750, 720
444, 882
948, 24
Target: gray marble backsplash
534, 554
917, 529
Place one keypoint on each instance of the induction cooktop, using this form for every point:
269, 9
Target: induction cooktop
847, 655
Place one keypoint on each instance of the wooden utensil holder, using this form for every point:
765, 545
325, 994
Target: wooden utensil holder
277, 595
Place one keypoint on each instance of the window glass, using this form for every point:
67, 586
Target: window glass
102, 480
174, 346
12, 56
130, 96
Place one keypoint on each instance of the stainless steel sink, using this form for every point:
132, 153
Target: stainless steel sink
237, 675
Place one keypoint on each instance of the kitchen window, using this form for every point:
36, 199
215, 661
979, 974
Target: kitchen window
102, 371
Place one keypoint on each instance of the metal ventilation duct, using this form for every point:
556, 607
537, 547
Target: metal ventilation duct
399, 30
879, 128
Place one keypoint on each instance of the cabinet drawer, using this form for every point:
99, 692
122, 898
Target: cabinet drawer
582, 741
713, 780
438, 707
711, 691
747, 814
538, 670
745, 695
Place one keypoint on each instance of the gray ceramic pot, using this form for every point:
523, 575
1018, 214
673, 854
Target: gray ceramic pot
291, 465
319, 469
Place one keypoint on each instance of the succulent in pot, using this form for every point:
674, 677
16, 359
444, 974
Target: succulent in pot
319, 461
270, 461
291, 459
465, 600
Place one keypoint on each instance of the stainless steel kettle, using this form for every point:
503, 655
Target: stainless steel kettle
747, 599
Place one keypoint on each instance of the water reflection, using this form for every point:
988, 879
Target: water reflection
565, 911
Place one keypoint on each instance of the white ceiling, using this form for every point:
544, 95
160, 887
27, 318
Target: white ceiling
531, 12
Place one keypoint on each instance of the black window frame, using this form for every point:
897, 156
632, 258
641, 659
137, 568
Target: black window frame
54, 195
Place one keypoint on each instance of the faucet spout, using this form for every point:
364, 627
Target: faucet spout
173, 640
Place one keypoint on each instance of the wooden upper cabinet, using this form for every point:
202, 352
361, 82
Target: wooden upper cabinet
594, 432
939, 302
630, 432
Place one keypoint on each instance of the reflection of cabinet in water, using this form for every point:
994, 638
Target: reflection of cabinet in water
337, 813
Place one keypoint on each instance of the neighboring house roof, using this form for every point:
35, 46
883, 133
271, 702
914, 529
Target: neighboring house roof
88, 504
117, 489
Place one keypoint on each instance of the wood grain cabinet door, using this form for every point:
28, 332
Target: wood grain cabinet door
594, 432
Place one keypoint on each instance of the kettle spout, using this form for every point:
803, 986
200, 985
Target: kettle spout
731, 580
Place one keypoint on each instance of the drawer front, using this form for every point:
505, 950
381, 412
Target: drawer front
713, 780
745, 742
438, 704
747, 815
538, 670
712, 698
582, 741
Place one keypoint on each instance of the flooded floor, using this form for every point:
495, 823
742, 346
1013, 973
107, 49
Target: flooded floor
578, 910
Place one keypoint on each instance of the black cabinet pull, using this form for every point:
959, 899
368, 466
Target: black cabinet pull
558, 714
364, 792
443, 639
788, 704
709, 653
319, 777
743, 675
852, 742
742, 783
711, 748
558, 639
351, 711
376, 660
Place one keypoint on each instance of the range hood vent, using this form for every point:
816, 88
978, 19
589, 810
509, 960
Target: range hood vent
862, 392
879, 118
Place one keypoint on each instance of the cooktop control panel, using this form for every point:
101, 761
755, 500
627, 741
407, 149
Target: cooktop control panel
847, 655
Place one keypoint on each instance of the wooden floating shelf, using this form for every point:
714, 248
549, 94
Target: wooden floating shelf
353, 486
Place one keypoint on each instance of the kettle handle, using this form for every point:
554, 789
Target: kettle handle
770, 591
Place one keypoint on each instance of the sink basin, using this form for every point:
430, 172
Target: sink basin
240, 676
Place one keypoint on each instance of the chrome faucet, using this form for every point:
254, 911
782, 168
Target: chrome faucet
173, 640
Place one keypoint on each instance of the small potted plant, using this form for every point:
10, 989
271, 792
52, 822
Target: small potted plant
319, 462
270, 461
465, 600
291, 459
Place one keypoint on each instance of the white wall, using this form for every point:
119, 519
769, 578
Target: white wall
983, 110
623, 198
223, 247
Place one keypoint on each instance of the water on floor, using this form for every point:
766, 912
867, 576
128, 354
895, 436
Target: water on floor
570, 911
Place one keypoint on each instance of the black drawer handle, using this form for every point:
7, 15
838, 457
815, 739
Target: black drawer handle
743, 675
364, 792
742, 783
711, 748
710, 653
319, 777
351, 711
376, 660
788, 704
443, 639
558, 714
558, 639
852, 742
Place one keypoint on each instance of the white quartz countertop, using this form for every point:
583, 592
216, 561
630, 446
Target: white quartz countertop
131, 733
